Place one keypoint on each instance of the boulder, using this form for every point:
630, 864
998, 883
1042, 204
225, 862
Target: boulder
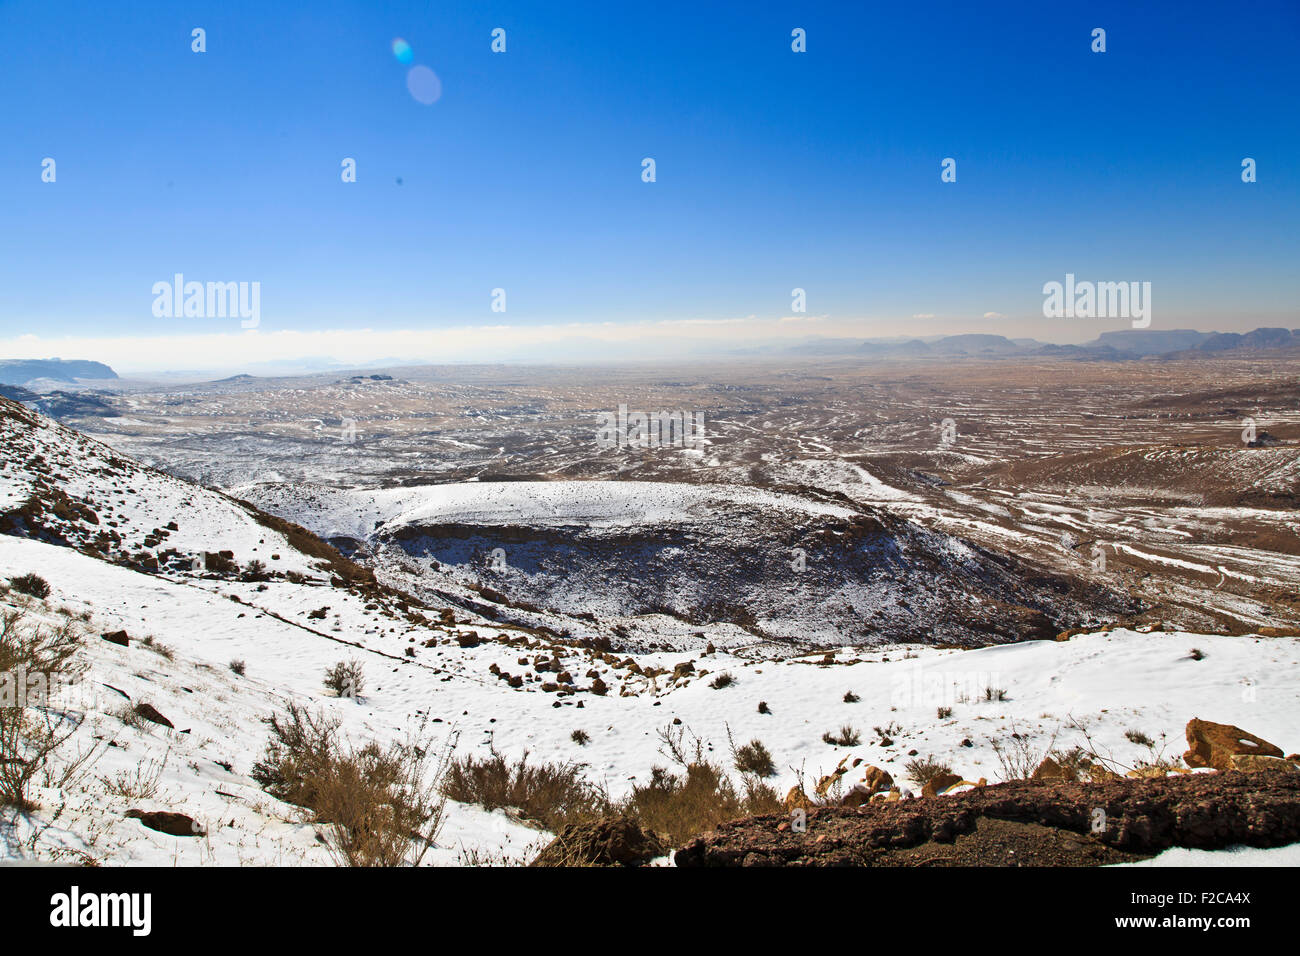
1214, 745
939, 783
613, 841
682, 669
856, 797
876, 780
117, 637
1051, 769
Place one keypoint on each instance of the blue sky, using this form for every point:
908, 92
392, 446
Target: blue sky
775, 170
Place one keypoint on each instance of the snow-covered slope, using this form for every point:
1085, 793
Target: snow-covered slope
1111, 683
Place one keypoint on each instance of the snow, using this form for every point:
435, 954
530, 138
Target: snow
1109, 682
597, 504
1229, 856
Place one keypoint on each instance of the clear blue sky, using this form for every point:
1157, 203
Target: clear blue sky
775, 169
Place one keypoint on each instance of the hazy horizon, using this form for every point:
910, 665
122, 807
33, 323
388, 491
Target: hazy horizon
497, 204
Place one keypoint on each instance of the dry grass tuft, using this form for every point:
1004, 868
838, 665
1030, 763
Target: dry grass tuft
382, 806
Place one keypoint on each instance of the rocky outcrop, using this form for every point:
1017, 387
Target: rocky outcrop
1021, 823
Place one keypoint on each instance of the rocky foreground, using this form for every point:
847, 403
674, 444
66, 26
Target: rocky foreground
1023, 823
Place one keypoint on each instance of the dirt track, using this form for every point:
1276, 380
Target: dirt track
1022, 824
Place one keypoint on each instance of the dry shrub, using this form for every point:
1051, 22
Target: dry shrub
346, 679
1019, 757
752, 758
31, 584
846, 736
551, 794
675, 807
1099, 763
31, 730
680, 806
382, 805
142, 783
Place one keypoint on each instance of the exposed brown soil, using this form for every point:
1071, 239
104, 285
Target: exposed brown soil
1023, 823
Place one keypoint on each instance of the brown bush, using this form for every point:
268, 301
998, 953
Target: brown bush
32, 729
551, 794
381, 806
31, 584
346, 679
680, 806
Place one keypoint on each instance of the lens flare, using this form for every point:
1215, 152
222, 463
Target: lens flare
424, 85
402, 50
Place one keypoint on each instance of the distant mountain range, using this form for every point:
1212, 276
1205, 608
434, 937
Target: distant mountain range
22, 371
1119, 345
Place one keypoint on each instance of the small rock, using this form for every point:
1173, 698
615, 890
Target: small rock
150, 712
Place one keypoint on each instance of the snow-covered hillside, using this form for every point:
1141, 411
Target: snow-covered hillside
444, 663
